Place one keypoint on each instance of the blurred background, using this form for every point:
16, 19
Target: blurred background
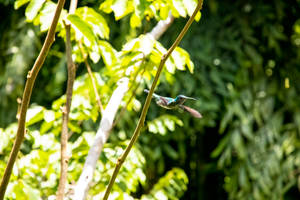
246, 57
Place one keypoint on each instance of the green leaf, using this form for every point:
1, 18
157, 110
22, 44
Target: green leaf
106, 6
164, 12
46, 126
108, 53
253, 54
95, 20
179, 6
179, 58
4, 140
33, 8
49, 116
190, 6
135, 21
45, 16
32, 193
198, 16
152, 127
139, 10
20, 3
82, 28
131, 45
170, 151
170, 66
221, 146
121, 8
183, 53
238, 144
146, 44
226, 119
34, 114
170, 186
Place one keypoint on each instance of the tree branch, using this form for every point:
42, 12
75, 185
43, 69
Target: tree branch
148, 100
31, 77
88, 67
82, 185
101, 137
162, 26
66, 110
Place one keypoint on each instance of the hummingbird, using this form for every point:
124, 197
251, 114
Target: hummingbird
171, 103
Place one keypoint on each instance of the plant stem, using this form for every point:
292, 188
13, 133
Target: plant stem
66, 110
88, 67
148, 100
31, 77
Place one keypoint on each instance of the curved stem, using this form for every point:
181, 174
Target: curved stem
63, 179
88, 67
148, 100
31, 77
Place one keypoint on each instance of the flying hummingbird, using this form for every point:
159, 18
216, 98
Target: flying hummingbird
170, 103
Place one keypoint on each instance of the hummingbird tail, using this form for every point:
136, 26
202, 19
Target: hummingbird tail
192, 111
154, 95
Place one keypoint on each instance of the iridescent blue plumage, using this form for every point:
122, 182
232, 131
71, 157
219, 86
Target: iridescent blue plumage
170, 103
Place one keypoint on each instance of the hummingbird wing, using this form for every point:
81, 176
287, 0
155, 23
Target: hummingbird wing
192, 111
153, 95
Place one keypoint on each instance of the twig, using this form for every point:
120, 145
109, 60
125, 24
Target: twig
66, 110
31, 77
148, 100
88, 67
82, 185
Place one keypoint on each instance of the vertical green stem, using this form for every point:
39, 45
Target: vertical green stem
148, 100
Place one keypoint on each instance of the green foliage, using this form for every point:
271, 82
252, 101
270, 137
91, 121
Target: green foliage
245, 73
143, 8
137, 60
246, 81
163, 123
171, 186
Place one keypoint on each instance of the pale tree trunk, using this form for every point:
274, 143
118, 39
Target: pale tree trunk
106, 124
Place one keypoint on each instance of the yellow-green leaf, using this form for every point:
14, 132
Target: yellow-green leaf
179, 6
20, 3
33, 8
135, 21
81, 27
95, 20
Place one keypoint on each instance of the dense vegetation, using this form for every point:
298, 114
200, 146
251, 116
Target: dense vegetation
241, 60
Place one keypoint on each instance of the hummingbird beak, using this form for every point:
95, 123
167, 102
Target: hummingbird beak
191, 98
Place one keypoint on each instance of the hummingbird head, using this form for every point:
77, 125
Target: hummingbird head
180, 99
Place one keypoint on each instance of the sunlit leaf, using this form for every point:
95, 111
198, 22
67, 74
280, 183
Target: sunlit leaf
45, 17
108, 53
135, 21
121, 8
95, 19
179, 6
34, 114
20, 3
175, 180
82, 28
190, 6
33, 8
